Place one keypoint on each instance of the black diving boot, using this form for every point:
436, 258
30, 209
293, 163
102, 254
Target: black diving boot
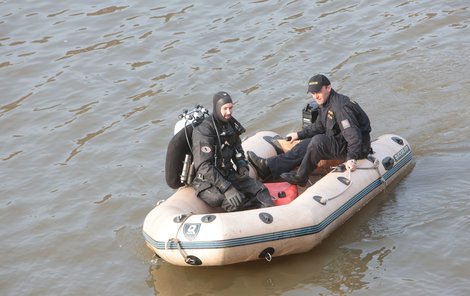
260, 164
295, 179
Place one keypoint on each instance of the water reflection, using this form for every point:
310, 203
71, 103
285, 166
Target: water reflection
81, 142
327, 269
107, 10
98, 46
9, 107
167, 17
347, 273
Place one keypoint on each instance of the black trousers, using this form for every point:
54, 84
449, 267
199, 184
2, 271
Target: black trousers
306, 154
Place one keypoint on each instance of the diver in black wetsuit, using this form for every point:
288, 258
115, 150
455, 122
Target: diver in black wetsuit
216, 147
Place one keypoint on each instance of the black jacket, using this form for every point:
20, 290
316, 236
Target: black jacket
215, 145
345, 120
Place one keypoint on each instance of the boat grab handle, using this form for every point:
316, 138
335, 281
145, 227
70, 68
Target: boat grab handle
348, 181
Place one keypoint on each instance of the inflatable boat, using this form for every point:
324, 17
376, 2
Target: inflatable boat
183, 230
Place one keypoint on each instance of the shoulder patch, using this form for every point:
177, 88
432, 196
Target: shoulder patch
206, 149
345, 123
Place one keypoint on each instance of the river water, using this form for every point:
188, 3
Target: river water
90, 92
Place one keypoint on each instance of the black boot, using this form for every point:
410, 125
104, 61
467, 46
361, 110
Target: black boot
293, 178
260, 164
265, 199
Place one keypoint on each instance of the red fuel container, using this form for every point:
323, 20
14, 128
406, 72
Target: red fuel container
282, 193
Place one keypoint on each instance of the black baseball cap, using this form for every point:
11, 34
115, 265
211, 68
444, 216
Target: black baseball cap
316, 83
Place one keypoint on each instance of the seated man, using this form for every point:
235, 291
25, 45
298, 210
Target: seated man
216, 144
341, 131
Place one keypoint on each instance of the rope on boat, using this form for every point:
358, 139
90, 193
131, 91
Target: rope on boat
176, 241
375, 167
324, 200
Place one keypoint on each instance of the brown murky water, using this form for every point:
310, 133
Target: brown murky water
90, 92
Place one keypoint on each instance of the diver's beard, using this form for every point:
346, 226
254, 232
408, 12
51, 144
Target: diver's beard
219, 118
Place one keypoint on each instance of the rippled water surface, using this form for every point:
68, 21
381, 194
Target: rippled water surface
90, 91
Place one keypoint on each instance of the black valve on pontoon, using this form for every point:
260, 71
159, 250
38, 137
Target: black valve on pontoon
388, 163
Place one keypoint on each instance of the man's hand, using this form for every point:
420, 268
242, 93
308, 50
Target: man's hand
351, 165
291, 137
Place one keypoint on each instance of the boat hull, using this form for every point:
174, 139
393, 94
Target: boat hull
183, 230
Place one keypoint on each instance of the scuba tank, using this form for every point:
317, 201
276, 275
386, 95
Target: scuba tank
179, 168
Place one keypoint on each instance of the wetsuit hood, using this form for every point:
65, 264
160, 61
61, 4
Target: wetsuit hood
221, 98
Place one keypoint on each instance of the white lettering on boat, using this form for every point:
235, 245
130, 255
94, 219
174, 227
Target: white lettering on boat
400, 154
